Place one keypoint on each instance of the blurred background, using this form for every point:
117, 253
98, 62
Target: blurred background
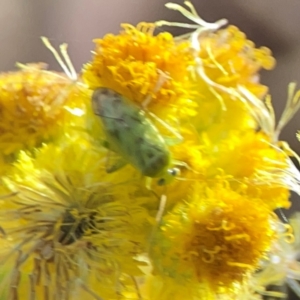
271, 23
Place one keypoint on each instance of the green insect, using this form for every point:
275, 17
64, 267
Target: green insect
132, 135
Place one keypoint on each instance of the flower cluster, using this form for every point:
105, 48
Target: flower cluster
154, 174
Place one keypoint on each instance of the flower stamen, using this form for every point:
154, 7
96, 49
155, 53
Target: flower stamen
67, 66
193, 16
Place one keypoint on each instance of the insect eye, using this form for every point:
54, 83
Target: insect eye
174, 172
171, 174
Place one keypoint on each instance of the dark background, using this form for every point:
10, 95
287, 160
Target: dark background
271, 23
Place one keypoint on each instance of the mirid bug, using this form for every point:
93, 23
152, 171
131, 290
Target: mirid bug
132, 135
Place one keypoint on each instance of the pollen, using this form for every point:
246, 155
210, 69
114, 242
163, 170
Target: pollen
227, 60
205, 240
151, 70
72, 232
153, 175
32, 102
257, 168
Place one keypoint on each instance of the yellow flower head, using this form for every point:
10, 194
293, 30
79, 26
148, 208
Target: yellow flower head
224, 60
158, 287
71, 229
261, 169
163, 288
150, 70
39, 106
33, 107
228, 60
205, 240
248, 160
78, 223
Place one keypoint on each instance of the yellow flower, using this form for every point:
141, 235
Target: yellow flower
203, 241
247, 160
225, 60
228, 60
264, 114
72, 229
33, 107
164, 288
39, 106
259, 167
151, 71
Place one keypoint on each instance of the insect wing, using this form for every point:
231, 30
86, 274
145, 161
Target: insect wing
130, 133
148, 149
